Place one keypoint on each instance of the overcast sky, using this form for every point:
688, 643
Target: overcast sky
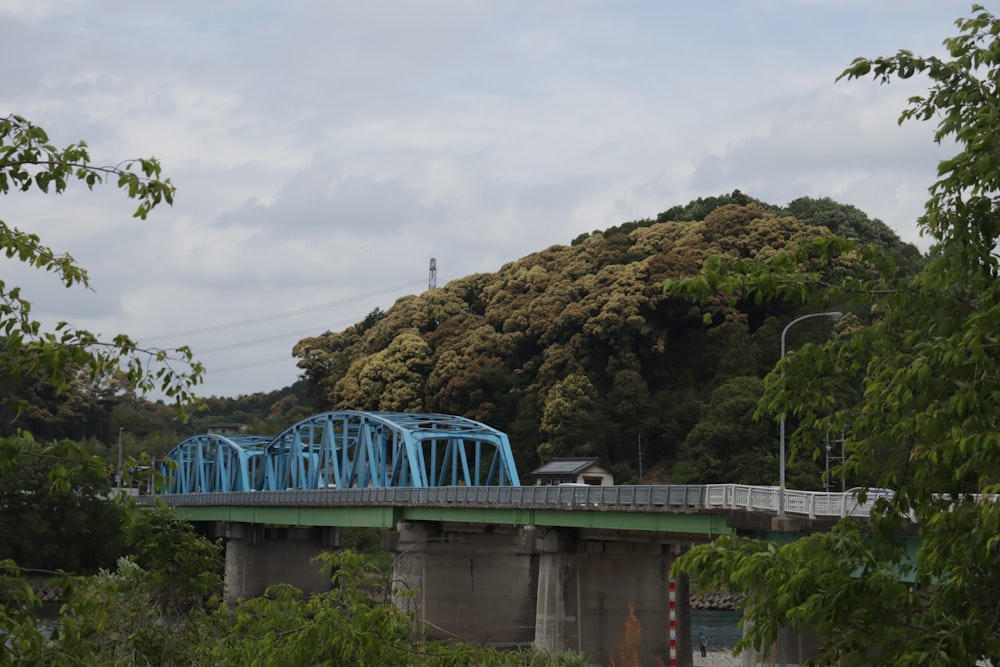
324, 151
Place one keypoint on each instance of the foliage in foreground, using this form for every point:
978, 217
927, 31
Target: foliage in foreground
63, 518
131, 615
29, 161
122, 617
61, 357
356, 623
916, 391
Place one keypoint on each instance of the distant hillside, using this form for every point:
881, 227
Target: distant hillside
574, 350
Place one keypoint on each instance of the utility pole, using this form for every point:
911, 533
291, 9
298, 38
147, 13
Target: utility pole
639, 442
118, 473
834, 458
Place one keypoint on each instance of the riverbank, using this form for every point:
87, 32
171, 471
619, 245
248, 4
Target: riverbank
716, 659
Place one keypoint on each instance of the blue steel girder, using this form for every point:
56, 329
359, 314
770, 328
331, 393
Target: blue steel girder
214, 462
354, 449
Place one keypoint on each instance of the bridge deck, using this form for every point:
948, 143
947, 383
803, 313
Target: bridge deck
674, 508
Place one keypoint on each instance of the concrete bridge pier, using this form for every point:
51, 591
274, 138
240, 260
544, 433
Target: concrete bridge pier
556, 588
586, 592
471, 582
258, 556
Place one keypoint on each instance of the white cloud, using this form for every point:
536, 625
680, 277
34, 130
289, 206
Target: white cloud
323, 152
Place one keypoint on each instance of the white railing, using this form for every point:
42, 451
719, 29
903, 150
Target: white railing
812, 504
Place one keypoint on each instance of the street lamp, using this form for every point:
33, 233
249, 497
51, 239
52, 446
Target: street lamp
833, 315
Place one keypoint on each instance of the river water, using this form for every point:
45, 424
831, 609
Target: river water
720, 627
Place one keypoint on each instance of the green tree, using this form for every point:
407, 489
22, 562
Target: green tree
147, 610
926, 425
118, 617
567, 419
701, 207
78, 409
115, 618
354, 624
183, 568
28, 160
72, 527
391, 379
729, 446
847, 221
63, 355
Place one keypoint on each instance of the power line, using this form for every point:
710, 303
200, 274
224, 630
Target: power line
275, 316
210, 371
269, 339
249, 343
229, 369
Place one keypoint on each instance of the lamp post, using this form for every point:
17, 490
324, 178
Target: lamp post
833, 315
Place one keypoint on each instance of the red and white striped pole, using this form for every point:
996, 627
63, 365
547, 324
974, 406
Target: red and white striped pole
672, 617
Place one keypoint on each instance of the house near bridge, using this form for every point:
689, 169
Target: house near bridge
580, 470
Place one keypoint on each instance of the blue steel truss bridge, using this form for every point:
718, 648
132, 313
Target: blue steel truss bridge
354, 459
551, 565
346, 449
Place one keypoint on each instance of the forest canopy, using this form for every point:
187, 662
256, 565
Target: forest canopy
574, 350
577, 351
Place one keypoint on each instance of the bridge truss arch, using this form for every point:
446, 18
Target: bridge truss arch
214, 462
348, 449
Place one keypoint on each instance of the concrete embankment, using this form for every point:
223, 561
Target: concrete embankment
47, 593
716, 600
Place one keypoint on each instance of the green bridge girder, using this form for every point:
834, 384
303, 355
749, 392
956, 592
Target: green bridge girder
386, 517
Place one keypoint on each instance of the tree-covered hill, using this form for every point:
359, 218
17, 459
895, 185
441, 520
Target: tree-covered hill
575, 350
572, 350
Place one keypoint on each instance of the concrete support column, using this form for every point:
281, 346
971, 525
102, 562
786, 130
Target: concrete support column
258, 557
791, 650
467, 582
585, 594
558, 588
557, 608
557, 613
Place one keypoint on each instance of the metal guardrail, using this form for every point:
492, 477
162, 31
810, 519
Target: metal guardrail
650, 498
634, 498
813, 504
